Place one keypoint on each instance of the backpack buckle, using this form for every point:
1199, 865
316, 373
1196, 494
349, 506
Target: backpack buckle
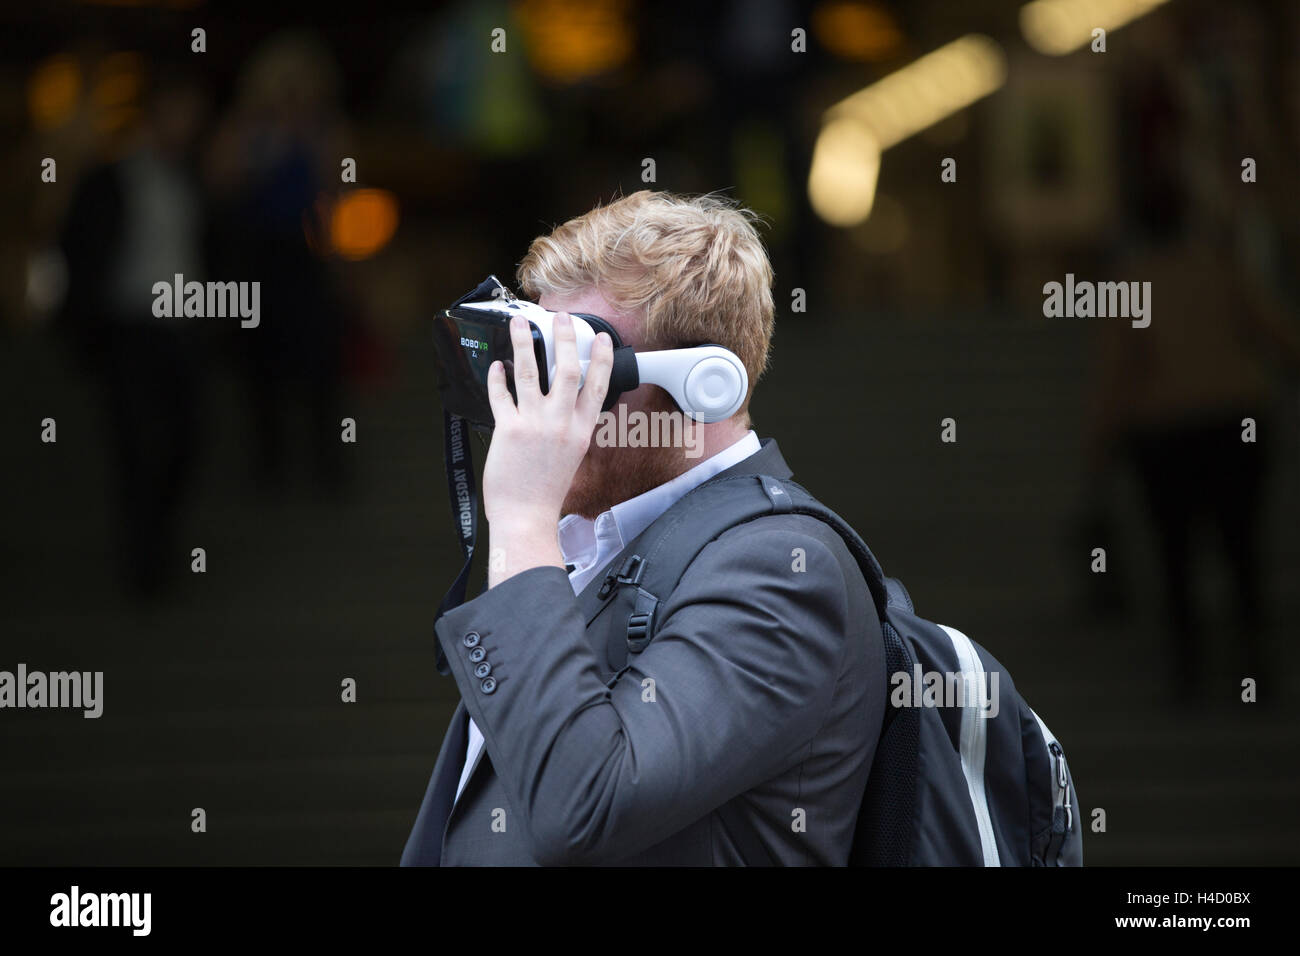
640, 623
637, 626
629, 573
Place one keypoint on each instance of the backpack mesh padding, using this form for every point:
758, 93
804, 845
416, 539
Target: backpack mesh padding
887, 817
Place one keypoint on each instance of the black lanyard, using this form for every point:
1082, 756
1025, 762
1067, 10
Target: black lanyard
463, 494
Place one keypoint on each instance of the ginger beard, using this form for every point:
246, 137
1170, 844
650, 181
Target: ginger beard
610, 475
613, 474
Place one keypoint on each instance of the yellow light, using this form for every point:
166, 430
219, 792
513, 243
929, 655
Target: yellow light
1058, 27
362, 222
845, 165
53, 91
927, 90
855, 131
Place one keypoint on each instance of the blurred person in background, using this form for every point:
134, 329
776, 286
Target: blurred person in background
274, 156
133, 222
1175, 399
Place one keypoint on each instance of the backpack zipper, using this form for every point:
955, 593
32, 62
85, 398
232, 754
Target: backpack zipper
1062, 799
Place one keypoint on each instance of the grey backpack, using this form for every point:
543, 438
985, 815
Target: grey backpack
981, 783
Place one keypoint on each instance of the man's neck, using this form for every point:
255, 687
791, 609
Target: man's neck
714, 438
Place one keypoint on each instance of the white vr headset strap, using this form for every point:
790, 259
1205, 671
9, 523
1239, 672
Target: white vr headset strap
707, 382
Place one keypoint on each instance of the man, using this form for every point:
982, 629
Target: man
766, 674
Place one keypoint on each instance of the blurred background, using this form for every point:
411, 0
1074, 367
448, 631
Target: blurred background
904, 297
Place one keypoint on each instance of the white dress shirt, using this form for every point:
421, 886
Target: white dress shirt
590, 545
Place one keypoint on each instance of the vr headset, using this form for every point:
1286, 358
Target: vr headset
707, 382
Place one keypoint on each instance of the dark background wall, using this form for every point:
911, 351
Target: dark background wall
325, 561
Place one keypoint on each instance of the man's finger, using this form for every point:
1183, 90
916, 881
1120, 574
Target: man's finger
568, 373
596, 386
527, 385
498, 394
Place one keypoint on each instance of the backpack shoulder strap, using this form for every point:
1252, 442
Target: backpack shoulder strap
659, 557
661, 554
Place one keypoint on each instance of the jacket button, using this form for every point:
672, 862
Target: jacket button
477, 655
483, 670
471, 639
489, 685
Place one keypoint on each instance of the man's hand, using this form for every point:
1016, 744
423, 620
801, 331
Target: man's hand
537, 446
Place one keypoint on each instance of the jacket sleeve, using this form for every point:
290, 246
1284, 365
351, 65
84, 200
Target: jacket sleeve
735, 684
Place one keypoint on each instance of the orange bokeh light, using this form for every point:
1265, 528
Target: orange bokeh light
857, 30
54, 91
362, 222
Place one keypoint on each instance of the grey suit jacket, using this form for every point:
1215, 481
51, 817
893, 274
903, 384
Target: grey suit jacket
751, 746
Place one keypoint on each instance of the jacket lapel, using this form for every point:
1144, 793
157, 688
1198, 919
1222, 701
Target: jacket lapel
424, 845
